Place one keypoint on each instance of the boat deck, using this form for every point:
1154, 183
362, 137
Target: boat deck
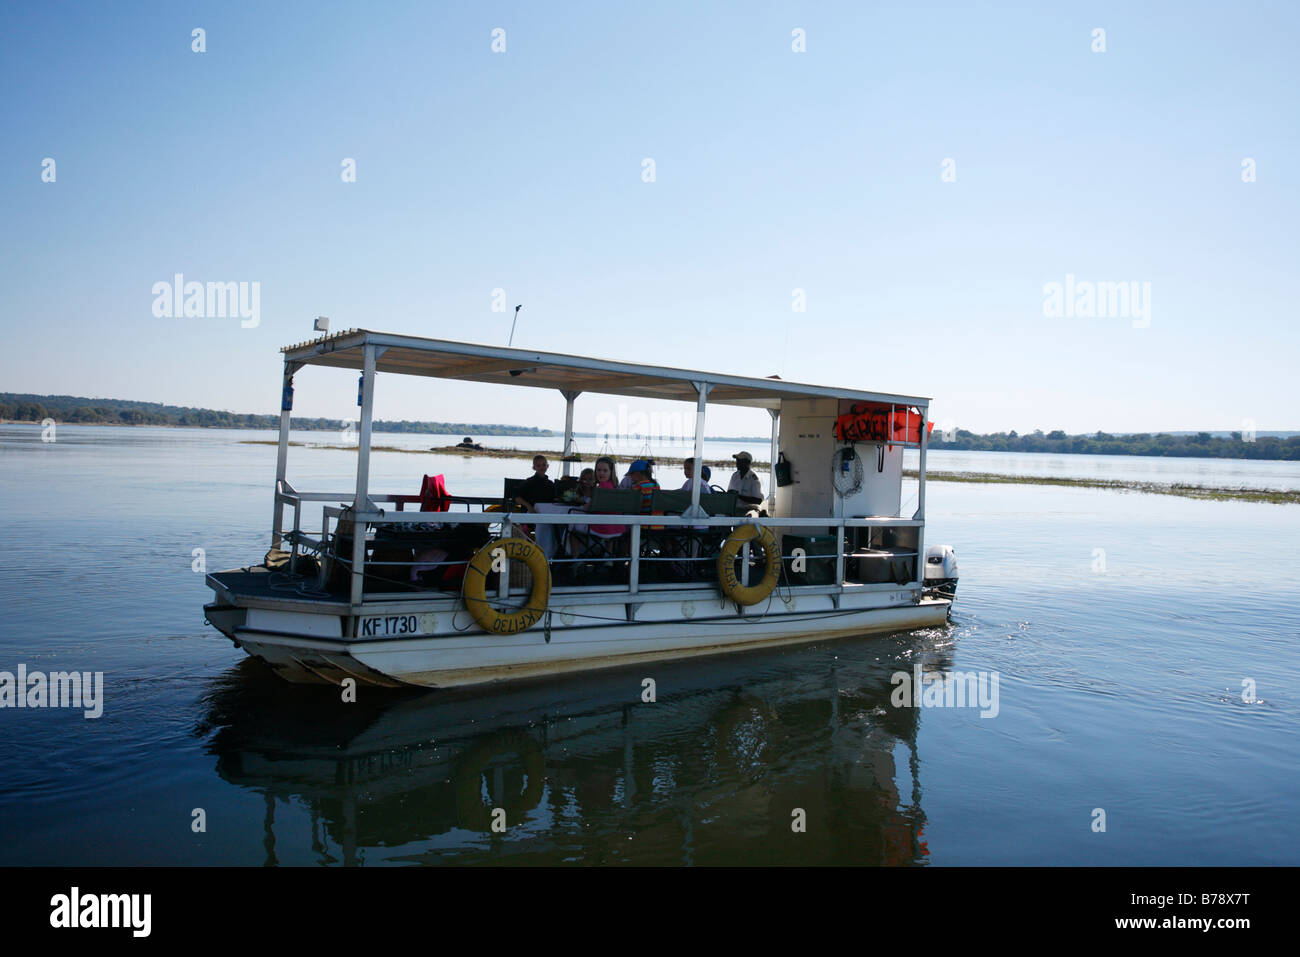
257, 582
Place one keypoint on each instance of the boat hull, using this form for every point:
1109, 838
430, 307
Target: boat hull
303, 646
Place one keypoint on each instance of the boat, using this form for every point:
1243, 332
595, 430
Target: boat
472, 591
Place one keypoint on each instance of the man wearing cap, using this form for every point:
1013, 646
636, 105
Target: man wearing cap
744, 481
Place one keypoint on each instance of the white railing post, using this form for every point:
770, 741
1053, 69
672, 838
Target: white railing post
503, 583
297, 527
325, 549
282, 452
839, 552
634, 569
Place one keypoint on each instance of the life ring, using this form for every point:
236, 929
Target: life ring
474, 591
471, 812
730, 584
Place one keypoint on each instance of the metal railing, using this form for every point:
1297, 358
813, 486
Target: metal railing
503, 524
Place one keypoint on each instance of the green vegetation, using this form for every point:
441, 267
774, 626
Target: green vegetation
524, 455
1214, 493
16, 407
81, 411
1189, 445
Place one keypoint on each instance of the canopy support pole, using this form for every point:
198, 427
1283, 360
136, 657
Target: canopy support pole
702, 390
569, 397
282, 454
771, 478
920, 499
361, 502
925, 444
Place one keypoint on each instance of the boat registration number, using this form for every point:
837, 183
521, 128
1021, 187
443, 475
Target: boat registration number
388, 626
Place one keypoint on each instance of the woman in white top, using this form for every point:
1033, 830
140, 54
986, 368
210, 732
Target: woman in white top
689, 468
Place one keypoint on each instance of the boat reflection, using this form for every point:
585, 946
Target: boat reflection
721, 768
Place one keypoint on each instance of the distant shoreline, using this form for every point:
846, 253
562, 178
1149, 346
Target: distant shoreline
536, 434
1180, 489
487, 452
1234, 446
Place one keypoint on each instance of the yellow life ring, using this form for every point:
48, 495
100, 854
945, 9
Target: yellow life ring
731, 586
474, 590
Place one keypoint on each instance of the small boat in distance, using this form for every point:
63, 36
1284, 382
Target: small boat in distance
470, 591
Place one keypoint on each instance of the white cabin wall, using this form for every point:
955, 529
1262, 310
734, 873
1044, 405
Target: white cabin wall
807, 438
881, 490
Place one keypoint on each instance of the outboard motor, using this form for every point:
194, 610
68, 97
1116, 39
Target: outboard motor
941, 571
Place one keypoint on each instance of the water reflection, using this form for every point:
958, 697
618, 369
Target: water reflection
715, 771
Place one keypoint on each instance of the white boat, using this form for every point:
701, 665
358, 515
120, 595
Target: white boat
828, 554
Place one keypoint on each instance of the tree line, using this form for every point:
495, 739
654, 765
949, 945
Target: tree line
1235, 445
81, 411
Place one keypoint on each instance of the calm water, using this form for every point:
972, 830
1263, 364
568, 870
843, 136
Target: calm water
1121, 627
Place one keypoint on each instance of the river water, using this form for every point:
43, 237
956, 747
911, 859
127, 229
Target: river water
1145, 649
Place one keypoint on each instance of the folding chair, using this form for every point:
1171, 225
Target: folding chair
596, 550
670, 548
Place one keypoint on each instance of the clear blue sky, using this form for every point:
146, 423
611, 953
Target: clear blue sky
775, 170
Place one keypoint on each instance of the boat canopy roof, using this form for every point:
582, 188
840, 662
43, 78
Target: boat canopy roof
501, 365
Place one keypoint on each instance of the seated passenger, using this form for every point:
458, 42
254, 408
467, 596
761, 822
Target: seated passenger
639, 476
647, 467
744, 481
537, 487
689, 467
586, 482
606, 476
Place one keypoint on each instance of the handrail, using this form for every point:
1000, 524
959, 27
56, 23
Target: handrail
569, 518
333, 511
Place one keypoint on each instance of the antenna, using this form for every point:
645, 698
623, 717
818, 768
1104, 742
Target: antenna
322, 324
512, 325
